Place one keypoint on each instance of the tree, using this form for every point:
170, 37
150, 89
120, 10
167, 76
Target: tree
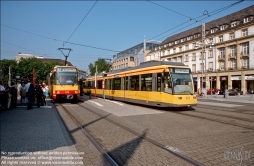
102, 65
5, 63
25, 67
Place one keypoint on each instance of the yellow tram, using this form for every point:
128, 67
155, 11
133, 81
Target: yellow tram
154, 83
63, 83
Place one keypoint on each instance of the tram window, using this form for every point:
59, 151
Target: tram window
126, 83
167, 83
158, 82
99, 84
108, 83
134, 80
116, 84
146, 82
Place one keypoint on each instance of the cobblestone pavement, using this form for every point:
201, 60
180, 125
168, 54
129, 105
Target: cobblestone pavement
206, 141
35, 137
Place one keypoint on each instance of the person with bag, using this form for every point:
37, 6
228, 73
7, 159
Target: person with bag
22, 92
30, 96
14, 96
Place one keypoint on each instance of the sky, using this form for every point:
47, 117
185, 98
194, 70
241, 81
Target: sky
99, 29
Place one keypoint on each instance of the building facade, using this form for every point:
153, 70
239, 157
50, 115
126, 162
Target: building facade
220, 53
132, 56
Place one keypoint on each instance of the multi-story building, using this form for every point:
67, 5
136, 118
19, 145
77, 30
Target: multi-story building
220, 52
132, 56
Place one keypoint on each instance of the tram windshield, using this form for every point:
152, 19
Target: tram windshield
66, 78
179, 83
182, 83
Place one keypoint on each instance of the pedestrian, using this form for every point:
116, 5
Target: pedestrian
22, 92
8, 96
39, 94
14, 96
43, 95
27, 85
30, 96
2, 95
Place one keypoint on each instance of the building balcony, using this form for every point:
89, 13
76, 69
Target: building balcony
221, 69
244, 67
232, 56
210, 70
221, 57
232, 68
244, 54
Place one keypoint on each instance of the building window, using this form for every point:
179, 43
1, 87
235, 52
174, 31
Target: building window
222, 65
169, 59
220, 38
131, 58
247, 19
174, 50
222, 27
222, 52
210, 66
189, 37
233, 62
186, 47
232, 36
210, 54
180, 49
186, 58
245, 32
193, 57
233, 24
245, 49
213, 30
175, 59
232, 51
194, 68
245, 63
180, 59
196, 35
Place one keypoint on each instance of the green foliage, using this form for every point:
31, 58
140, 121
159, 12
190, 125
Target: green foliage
102, 65
25, 67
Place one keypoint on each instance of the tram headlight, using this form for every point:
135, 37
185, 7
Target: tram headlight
57, 92
76, 92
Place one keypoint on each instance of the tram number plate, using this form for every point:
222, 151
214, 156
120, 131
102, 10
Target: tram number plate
69, 96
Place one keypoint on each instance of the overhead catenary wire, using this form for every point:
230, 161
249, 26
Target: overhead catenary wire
196, 19
82, 20
57, 40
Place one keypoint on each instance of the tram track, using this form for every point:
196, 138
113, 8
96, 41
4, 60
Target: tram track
240, 111
110, 156
228, 122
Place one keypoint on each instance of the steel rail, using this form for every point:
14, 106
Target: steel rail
96, 144
147, 139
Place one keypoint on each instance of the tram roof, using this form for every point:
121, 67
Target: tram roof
144, 65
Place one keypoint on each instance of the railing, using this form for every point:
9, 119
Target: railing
221, 57
244, 54
232, 55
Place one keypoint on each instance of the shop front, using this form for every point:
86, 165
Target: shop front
195, 80
236, 82
223, 82
250, 83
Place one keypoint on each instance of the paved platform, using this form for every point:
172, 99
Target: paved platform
36, 137
235, 99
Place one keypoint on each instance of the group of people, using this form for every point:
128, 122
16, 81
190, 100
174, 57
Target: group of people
29, 93
8, 96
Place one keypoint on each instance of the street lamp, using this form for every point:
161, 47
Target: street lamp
203, 53
66, 56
